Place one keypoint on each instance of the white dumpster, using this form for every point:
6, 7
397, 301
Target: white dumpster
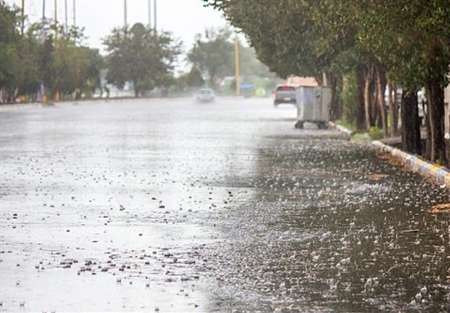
313, 106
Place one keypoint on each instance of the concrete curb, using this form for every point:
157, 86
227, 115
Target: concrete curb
341, 128
19, 106
438, 174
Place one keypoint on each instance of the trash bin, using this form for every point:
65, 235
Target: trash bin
313, 106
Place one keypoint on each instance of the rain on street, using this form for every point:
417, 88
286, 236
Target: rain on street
175, 206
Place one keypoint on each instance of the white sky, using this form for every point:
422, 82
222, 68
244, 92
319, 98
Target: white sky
184, 18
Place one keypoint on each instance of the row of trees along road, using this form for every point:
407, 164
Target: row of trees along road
51, 61
46, 59
364, 46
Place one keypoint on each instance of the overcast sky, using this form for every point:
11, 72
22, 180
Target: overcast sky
184, 18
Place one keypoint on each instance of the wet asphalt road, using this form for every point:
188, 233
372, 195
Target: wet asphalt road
174, 206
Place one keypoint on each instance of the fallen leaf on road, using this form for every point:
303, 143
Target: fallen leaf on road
440, 208
377, 177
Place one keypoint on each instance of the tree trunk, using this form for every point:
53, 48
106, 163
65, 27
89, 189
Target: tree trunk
381, 90
393, 109
410, 122
367, 106
426, 109
334, 109
319, 80
396, 107
136, 89
360, 112
376, 114
435, 95
390, 113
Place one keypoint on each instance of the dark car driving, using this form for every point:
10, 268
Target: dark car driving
284, 94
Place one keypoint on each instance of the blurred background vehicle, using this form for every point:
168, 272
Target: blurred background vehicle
205, 95
284, 94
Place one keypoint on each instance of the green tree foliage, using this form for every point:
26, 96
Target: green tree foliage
291, 39
286, 34
412, 40
9, 21
142, 56
349, 97
251, 66
191, 80
194, 78
188, 82
45, 54
68, 67
213, 54
76, 69
26, 66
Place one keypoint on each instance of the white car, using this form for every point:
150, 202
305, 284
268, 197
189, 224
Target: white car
205, 95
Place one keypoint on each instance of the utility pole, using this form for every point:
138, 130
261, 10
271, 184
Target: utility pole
43, 10
66, 17
57, 95
149, 7
56, 12
22, 28
237, 63
125, 13
74, 13
155, 15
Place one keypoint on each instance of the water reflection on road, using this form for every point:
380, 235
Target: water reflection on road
175, 206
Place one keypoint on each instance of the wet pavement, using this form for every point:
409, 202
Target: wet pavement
173, 206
